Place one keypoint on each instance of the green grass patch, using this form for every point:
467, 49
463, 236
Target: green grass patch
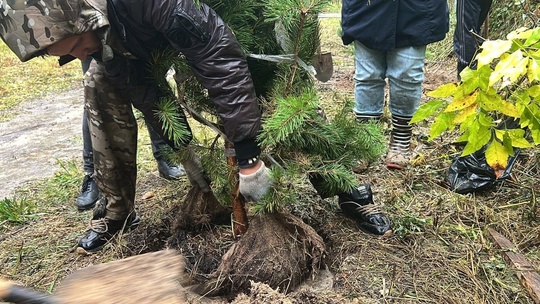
15, 210
65, 183
38, 197
21, 81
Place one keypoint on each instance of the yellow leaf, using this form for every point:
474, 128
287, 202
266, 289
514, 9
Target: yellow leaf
533, 72
497, 157
510, 110
463, 114
443, 91
532, 37
485, 119
462, 103
534, 91
442, 122
496, 103
520, 69
520, 33
492, 49
510, 67
517, 136
478, 137
464, 137
148, 195
534, 54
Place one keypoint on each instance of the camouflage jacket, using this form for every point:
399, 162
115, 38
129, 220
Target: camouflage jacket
136, 28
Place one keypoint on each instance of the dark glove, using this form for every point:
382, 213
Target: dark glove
254, 186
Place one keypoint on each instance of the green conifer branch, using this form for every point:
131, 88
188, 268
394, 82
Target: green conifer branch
295, 134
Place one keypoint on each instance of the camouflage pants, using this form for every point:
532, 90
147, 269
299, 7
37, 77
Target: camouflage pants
110, 90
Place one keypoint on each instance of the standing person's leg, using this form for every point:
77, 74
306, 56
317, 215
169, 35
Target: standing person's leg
166, 168
470, 15
88, 154
485, 7
89, 191
114, 139
369, 82
369, 85
405, 77
148, 107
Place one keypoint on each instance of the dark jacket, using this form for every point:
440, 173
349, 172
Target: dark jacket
386, 25
210, 49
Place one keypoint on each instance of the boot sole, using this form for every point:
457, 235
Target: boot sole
169, 177
362, 228
86, 208
395, 166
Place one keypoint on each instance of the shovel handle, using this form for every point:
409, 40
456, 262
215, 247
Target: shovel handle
13, 293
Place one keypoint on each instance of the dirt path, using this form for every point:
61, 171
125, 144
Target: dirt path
45, 130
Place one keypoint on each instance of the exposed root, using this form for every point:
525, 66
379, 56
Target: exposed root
278, 249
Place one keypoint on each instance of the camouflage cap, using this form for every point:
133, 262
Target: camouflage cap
28, 27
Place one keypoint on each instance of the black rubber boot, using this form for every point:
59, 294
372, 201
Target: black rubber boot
358, 205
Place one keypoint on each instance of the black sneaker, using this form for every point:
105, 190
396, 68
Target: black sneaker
358, 205
89, 193
170, 171
102, 229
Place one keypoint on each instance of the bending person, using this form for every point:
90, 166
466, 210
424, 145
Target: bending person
89, 191
120, 36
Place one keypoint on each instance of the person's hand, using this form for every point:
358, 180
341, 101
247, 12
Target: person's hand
255, 182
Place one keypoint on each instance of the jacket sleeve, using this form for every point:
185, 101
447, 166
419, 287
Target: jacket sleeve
216, 59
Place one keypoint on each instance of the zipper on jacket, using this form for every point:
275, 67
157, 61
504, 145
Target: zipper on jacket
192, 27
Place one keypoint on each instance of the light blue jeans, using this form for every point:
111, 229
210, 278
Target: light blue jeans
404, 69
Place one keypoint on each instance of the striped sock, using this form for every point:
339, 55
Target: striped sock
401, 133
364, 118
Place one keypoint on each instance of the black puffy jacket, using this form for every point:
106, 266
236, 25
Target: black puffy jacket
386, 25
210, 49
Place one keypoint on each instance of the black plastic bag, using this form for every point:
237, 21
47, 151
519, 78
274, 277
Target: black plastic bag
471, 173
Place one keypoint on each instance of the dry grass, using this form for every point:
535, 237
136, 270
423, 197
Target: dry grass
439, 252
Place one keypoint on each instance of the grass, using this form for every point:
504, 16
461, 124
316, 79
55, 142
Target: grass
20, 81
439, 253
15, 210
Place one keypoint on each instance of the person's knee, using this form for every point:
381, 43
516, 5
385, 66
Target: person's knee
370, 64
407, 65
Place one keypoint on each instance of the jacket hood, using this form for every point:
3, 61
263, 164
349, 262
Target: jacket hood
28, 27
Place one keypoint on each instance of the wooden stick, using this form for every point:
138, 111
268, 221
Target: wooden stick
526, 272
239, 215
13, 293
